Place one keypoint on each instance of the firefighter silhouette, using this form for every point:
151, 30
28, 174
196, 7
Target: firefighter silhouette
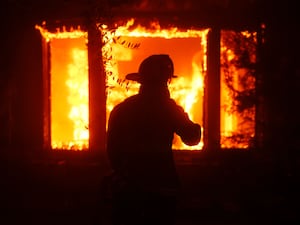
139, 147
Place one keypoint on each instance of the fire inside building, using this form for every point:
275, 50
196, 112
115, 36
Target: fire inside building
122, 50
63, 70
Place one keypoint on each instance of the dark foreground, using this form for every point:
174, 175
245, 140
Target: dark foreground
233, 189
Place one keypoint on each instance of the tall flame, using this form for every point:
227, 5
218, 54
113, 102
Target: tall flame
78, 97
69, 88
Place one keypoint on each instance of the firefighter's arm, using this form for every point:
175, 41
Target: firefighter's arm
189, 132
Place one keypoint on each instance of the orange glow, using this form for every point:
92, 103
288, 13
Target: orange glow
237, 123
68, 89
61, 33
78, 97
123, 50
126, 47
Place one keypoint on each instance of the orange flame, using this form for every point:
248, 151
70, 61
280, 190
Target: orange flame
69, 88
78, 97
124, 48
186, 90
233, 124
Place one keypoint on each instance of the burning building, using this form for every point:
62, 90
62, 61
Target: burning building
83, 51
63, 65
121, 48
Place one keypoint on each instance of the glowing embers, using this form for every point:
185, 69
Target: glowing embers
69, 119
238, 58
125, 48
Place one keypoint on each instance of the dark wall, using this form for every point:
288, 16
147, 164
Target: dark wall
281, 64
29, 96
21, 77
